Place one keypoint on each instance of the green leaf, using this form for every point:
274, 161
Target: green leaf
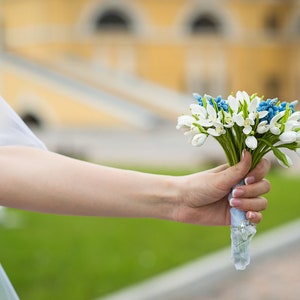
204, 101
201, 129
215, 104
245, 109
281, 156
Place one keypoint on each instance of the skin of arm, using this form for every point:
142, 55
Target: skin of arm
47, 182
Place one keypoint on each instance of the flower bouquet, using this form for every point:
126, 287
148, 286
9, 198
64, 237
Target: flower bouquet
243, 122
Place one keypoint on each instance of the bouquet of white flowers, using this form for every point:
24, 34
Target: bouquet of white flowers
244, 122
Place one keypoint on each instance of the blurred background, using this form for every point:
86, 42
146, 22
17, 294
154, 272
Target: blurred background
94, 76
104, 80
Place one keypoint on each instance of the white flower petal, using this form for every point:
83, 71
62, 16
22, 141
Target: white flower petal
243, 97
246, 97
251, 142
211, 111
253, 105
238, 119
262, 127
197, 110
199, 139
262, 114
290, 125
191, 133
233, 103
288, 137
276, 118
239, 96
298, 151
184, 122
217, 131
247, 130
213, 132
275, 130
205, 123
295, 116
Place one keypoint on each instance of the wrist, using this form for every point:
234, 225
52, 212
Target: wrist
167, 199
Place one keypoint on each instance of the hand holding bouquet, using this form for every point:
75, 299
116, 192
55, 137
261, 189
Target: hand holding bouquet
244, 122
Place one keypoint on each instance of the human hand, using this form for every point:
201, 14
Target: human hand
204, 195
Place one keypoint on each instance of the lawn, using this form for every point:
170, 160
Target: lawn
81, 258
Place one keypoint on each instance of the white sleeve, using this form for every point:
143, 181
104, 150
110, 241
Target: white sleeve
13, 131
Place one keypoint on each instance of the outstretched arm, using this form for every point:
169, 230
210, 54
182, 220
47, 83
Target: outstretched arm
47, 182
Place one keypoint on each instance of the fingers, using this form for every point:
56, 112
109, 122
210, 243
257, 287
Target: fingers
259, 172
233, 175
252, 190
254, 217
217, 169
252, 206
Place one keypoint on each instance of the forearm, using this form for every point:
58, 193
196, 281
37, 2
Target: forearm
47, 182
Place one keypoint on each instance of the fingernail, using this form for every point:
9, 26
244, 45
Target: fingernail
243, 153
234, 202
250, 215
238, 192
249, 180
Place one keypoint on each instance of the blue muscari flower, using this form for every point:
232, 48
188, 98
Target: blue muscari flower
282, 106
221, 103
198, 98
270, 106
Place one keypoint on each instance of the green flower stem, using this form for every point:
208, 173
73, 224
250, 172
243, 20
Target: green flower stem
227, 143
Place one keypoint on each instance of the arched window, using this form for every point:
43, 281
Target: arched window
205, 23
272, 86
31, 120
298, 26
272, 23
113, 19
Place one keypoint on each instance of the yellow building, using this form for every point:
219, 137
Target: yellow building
104, 62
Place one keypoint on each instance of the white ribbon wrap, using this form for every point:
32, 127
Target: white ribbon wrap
242, 232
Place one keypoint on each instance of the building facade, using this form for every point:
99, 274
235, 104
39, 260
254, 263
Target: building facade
204, 46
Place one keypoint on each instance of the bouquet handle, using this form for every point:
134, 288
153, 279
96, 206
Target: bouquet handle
241, 233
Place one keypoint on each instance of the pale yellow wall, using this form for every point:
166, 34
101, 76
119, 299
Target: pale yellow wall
55, 107
160, 49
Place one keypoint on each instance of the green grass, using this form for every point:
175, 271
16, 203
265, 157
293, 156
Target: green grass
58, 257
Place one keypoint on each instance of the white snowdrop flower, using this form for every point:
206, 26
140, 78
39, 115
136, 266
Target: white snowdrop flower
191, 133
185, 122
243, 96
275, 126
228, 119
294, 116
211, 117
251, 142
233, 103
288, 137
199, 139
247, 123
198, 110
217, 131
262, 127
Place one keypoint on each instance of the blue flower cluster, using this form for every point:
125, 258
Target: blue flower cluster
270, 105
221, 103
282, 106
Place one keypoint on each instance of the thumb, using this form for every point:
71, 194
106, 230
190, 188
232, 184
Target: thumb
233, 175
